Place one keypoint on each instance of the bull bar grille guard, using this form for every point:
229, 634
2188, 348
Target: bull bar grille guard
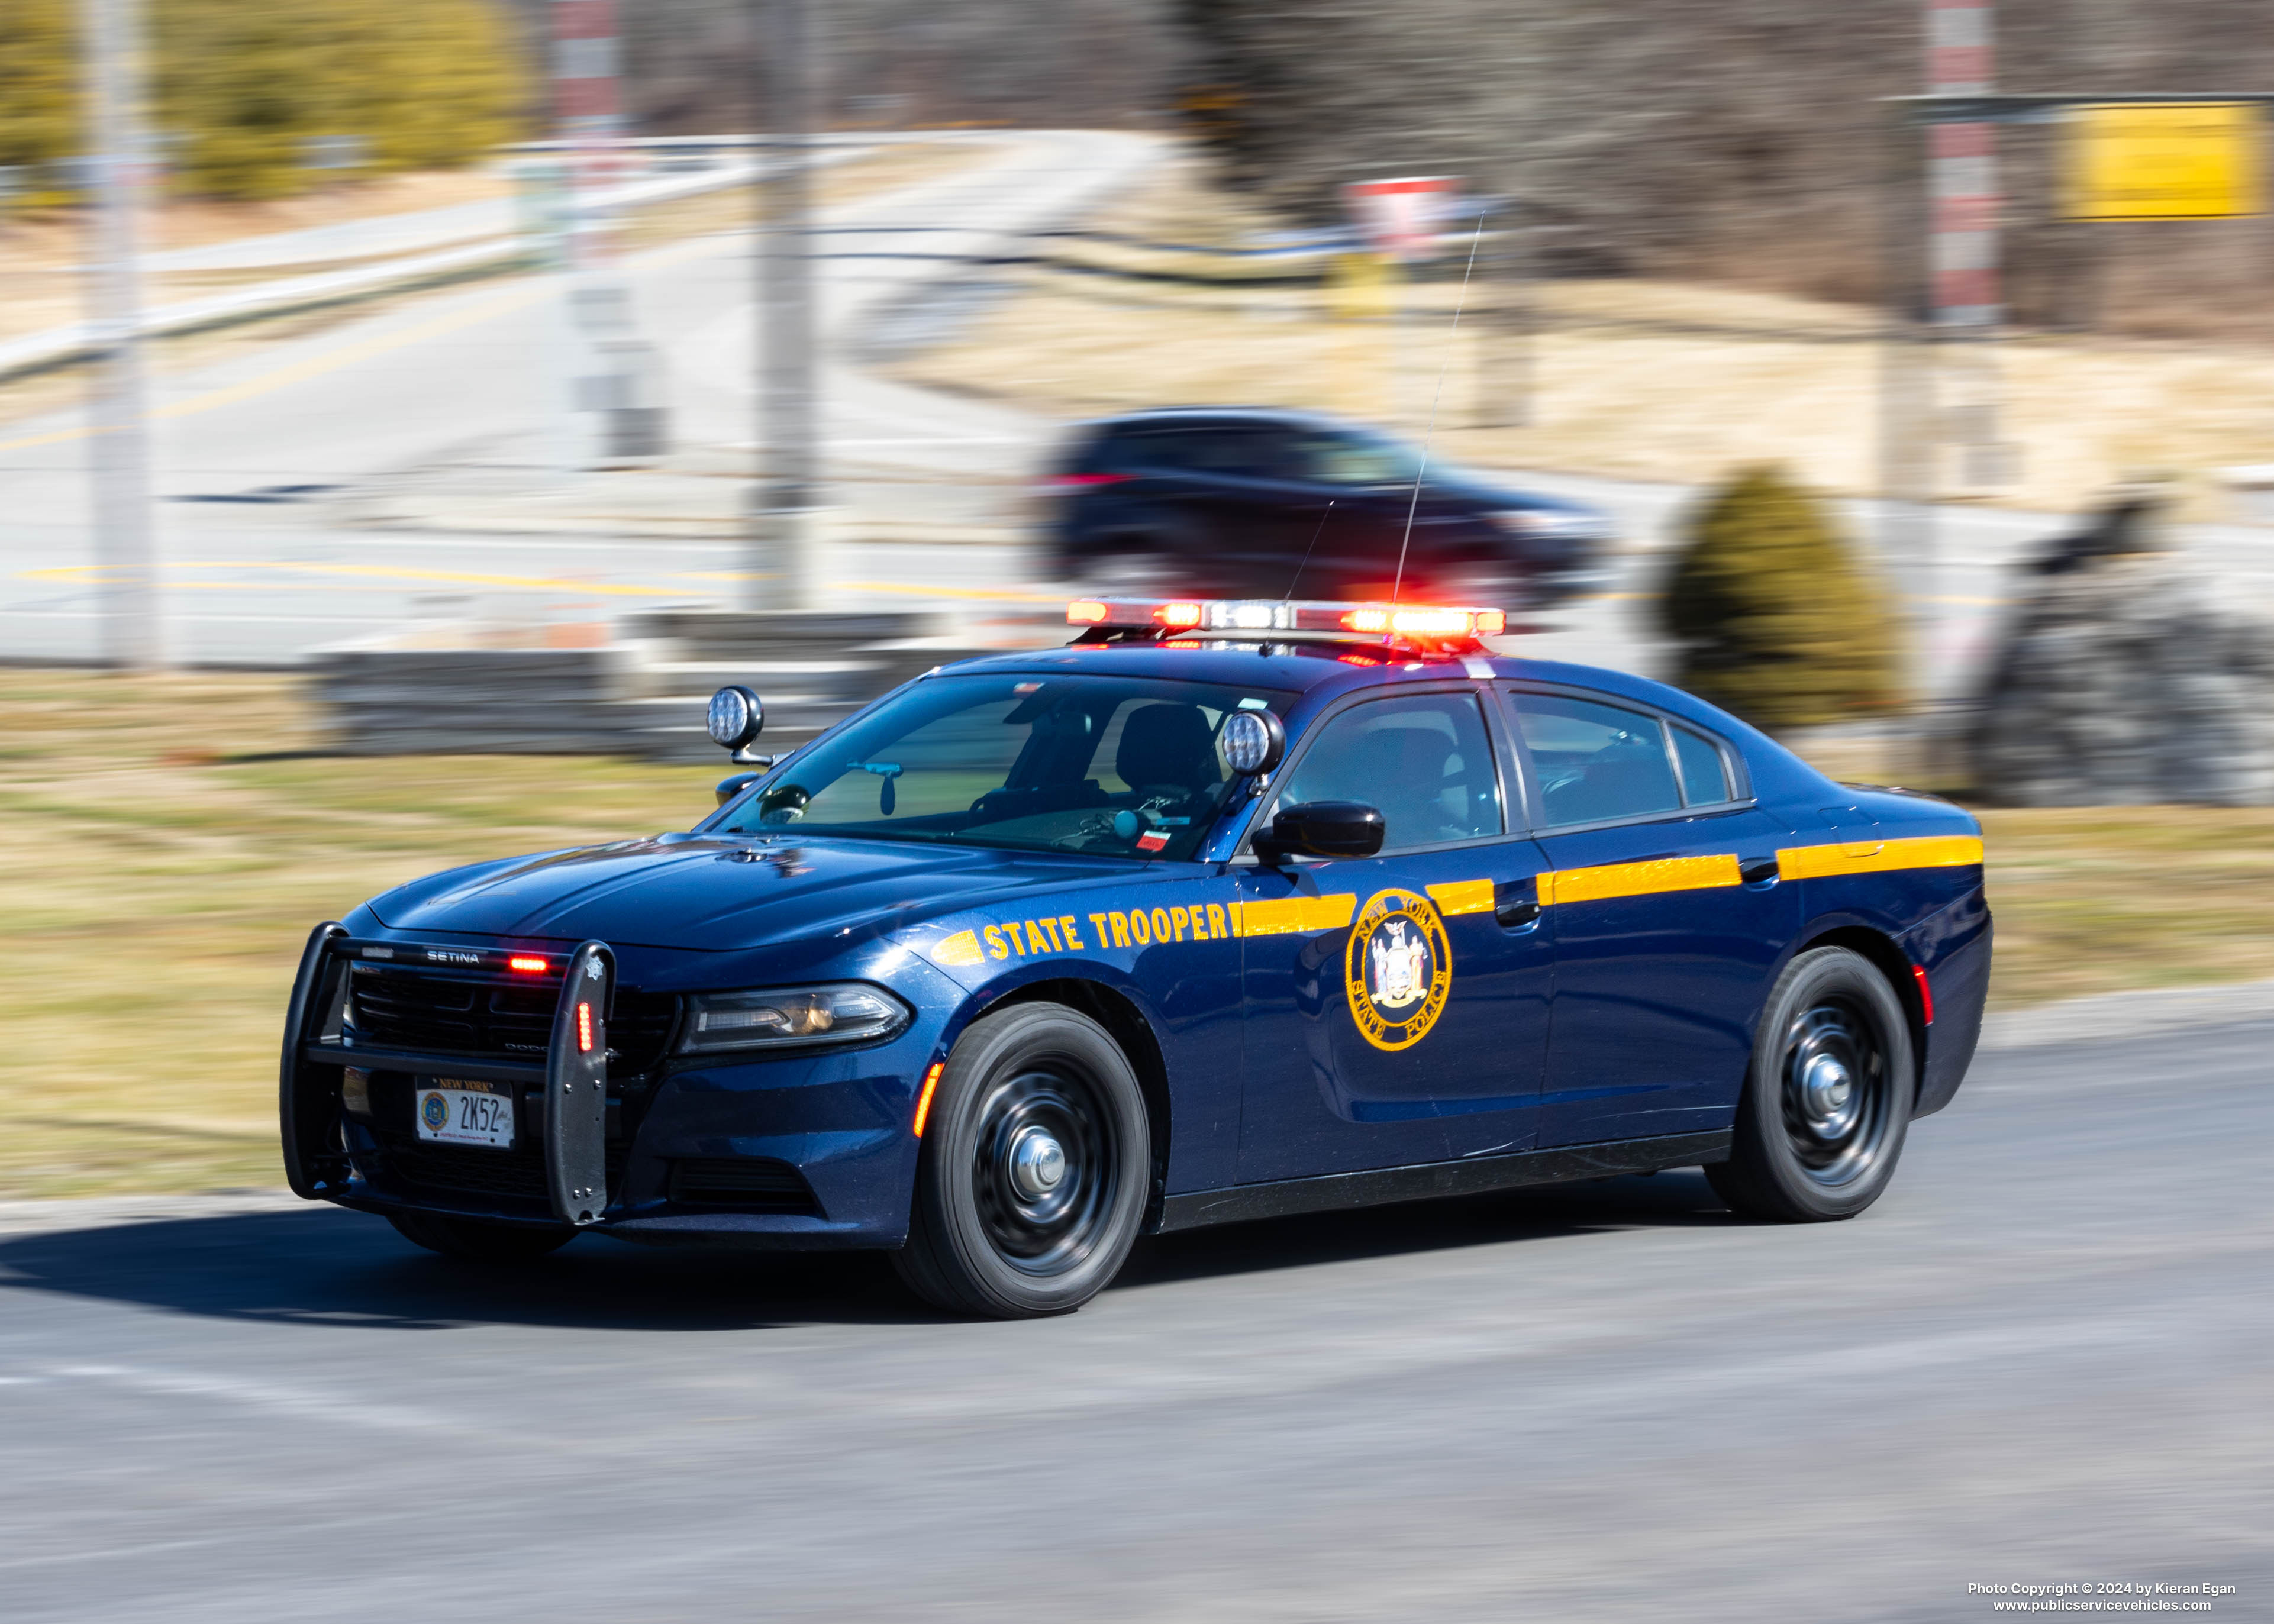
575, 1074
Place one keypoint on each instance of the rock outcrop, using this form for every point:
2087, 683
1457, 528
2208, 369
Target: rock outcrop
2124, 679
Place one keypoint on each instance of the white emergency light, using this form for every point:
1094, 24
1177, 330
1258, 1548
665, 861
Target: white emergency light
1233, 617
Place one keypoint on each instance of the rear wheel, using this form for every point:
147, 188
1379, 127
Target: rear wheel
1826, 1105
1033, 1172
478, 1242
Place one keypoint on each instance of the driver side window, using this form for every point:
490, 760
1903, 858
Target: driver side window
1425, 760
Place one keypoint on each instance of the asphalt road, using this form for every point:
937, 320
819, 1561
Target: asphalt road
2041, 1358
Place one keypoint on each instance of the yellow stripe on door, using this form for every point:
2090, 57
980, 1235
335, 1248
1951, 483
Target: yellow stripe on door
1639, 879
1816, 863
1462, 896
1281, 916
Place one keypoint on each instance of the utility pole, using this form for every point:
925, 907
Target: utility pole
126, 542
1943, 390
789, 396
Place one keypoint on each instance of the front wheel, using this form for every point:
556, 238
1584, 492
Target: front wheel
1822, 1118
1034, 1171
474, 1241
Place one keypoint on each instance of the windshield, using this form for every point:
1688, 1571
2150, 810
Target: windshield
1116, 766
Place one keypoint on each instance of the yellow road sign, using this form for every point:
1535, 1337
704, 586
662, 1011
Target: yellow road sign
2192, 160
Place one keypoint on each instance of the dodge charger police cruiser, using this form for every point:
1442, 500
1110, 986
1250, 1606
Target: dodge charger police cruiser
1226, 910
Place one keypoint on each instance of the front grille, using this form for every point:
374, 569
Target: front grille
433, 1012
454, 1166
518, 1172
750, 1184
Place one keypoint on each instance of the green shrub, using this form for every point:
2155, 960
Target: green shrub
240, 86
245, 83
39, 91
1776, 617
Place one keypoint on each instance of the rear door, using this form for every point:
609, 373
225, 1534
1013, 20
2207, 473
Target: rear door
1669, 919
1388, 1015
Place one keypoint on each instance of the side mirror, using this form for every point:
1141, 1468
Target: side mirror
1323, 828
735, 782
735, 717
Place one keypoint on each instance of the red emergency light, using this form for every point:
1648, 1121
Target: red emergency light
1247, 618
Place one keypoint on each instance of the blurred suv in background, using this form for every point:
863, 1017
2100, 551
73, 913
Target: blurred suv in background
1228, 502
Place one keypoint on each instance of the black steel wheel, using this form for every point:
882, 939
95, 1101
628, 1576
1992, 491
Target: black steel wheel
1826, 1103
1034, 1171
474, 1240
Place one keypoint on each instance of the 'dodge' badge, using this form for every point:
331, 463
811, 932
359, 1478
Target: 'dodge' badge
1397, 969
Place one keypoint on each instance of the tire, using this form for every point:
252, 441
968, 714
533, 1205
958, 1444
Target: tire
987, 1235
1808, 1148
474, 1240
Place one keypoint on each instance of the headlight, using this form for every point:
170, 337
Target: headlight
1564, 523
790, 1017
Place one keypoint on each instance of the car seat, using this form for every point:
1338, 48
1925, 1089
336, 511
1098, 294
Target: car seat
1167, 749
1422, 783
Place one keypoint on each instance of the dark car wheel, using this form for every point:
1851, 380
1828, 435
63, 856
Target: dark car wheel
478, 1241
1034, 1169
1829, 1096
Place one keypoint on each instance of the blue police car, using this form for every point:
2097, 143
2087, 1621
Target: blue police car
1224, 911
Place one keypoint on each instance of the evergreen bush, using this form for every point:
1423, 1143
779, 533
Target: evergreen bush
1776, 617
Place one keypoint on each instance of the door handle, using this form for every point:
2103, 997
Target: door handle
1516, 904
1760, 871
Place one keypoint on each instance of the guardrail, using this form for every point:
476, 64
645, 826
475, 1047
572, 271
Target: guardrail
642, 694
82, 341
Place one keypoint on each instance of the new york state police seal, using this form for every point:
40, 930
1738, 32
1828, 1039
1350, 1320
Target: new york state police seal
1397, 969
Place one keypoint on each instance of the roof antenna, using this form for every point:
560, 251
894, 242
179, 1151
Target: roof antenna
1474, 238
1309, 549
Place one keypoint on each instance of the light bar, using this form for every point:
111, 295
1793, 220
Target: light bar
1265, 614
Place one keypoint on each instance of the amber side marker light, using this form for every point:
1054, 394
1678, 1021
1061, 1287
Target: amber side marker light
526, 966
924, 1100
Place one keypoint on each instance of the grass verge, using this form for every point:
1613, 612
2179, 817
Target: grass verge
171, 840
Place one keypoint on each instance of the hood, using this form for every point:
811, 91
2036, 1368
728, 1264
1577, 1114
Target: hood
723, 895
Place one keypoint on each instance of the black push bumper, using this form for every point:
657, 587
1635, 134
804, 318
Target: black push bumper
575, 1075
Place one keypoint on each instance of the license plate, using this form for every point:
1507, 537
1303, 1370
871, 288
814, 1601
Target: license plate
455, 1111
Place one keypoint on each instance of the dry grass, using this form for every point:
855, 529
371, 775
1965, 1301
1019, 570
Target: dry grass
2100, 898
1648, 380
171, 841
167, 851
